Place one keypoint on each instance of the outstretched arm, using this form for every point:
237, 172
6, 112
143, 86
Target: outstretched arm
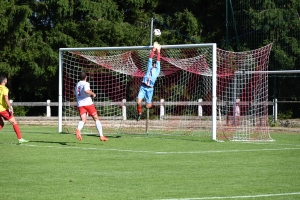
158, 58
152, 52
158, 52
156, 46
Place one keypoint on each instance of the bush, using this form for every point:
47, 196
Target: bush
20, 110
287, 115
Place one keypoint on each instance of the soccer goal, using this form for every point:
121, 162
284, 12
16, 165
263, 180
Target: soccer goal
199, 91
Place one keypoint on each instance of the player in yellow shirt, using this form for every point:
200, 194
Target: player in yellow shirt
6, 110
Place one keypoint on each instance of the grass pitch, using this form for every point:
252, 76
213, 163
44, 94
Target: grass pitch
58, 166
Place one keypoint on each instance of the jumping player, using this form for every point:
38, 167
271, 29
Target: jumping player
6, 110
146, 89
86, 106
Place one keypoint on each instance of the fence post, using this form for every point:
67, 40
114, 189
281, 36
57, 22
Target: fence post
237, 108
275, 110
124, 110
48, 109
200, 111
162, 109
273, 107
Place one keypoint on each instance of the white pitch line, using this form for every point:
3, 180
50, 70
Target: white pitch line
238, 197
160, 152
226, 151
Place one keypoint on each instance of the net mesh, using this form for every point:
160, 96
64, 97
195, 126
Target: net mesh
182, 100
243, 94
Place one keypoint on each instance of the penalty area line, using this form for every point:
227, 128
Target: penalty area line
237, 197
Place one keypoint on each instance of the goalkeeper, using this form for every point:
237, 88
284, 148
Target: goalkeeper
146, 89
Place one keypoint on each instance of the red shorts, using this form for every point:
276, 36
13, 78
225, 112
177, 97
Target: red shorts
91, 110
6, 115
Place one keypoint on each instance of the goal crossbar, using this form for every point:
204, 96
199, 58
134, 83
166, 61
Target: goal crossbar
181, 46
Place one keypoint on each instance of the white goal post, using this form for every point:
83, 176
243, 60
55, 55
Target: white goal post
201, 91
207, 50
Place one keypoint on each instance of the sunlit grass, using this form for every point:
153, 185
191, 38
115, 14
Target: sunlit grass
58, 166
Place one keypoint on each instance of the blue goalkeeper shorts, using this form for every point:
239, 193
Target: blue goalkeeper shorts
146, 92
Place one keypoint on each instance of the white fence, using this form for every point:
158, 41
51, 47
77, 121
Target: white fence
162, 103
48, 104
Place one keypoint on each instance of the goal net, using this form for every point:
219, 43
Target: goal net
191, 96
242, 92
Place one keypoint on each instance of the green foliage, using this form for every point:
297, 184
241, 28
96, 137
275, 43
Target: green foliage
285, 115
271, 122
277, 22
14, 30
20, 110
31, 32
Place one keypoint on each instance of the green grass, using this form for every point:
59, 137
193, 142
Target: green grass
57, 166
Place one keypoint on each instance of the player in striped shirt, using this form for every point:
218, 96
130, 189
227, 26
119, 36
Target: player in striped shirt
146, 89
6, 110
86, 106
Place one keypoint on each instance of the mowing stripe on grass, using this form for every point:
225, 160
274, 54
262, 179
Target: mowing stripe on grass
155, 152
238, 197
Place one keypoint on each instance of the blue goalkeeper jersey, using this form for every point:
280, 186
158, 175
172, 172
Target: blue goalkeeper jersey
152, 73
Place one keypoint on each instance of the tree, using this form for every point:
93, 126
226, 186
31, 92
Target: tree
31, 32
14, 30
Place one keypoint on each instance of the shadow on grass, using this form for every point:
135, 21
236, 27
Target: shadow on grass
61, 143
67, 133
108, 136
46, 142
174, 137
50, 142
